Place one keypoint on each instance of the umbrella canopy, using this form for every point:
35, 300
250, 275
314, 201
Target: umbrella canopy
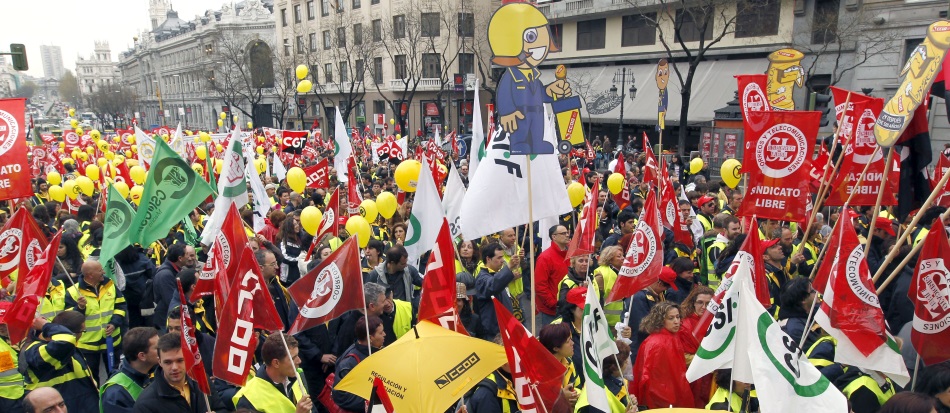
426, 371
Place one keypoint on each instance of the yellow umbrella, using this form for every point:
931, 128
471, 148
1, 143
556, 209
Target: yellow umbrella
427, 370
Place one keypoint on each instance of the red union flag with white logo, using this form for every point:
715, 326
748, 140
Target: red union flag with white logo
189, 347
943, 167
644, 259
752, 94
930, 293
329, 290
777, 156
317, 175
438, 286
21, 244
14, 170
293, 141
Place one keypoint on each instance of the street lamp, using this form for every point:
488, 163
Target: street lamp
622, 75
161, 108
182, 112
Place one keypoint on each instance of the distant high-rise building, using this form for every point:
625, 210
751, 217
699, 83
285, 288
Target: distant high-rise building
52, 58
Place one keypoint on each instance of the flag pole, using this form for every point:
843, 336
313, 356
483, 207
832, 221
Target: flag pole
620, 371
208, 404
880, 196
893, 252
913, 381
292, 364
369, 345
911, 255
534, 304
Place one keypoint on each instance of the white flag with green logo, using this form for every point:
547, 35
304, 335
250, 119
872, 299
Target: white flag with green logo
426, 217
597, 345
232, 188
786, 382
477, 149
341, 147
452, 202
146, 145
718, 348
279, 170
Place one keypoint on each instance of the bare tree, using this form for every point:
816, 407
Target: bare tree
243, 72
112, 103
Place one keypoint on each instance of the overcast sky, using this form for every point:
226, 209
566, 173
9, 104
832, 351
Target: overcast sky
75, 25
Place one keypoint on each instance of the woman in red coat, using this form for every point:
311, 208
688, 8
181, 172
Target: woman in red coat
692, 309
660, 370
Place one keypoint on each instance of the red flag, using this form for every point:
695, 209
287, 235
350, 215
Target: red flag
534, 370
669, 205
943, 167
438, 285
31, 289
212, 272
450, 320
582, 242
929, 293
649, 168
329, 290
353, 195
21, 243
644, 258
778, 158
233, 239
189, 346
818, 168
15, 174
751, 252
380, 396
248, 306
752, 95
293, 141
329, 223
623, 198
317, 175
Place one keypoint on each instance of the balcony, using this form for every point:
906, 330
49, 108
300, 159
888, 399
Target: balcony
593, 8
425, 84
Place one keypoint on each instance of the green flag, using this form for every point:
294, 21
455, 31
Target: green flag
172, 190
118, 220
191, 235
211, 181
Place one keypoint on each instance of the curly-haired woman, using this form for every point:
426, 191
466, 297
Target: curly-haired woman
660, 369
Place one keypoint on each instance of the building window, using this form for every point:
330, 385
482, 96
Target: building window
356, 4
314, 74
431, 65
399, 26
591, 34
340, 37
378, 71
824, 22
374, 2
909, 46
344, 73
296, 14
311, 10
328, 72
358, 34
283, 17
466, 63
313, 42
757, 18
638, 30
690, 23
379, 107
324, 7
286, 47
556, 31
359, 70
339, 6
377, 27
429, 24
326, 40
466, 25
300, 46
399, 63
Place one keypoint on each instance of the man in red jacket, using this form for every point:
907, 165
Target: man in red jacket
550, 269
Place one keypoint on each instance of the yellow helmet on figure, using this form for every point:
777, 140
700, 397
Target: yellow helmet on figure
506, 32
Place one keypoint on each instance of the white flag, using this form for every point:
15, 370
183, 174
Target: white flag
717, 350
177, 142
785, 381
452, 202
597, 346
279, 168
261, 202
341, 147
497, 198
478, 137
145, 144
426, 216
232, 188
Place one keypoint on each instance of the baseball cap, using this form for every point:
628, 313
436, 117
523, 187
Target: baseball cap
270, 186
460, 291
703, 200
468, 280
577, 296
768, 243
886, 224
668, 276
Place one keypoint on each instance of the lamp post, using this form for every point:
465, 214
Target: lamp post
622, 75
181, 90
161, 108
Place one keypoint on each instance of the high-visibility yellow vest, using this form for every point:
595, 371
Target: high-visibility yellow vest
612, 311
515, 287
866, 381
55, 300
817, 362
719, 397
120, 379
403, 320
920, 236
570, 376
99, 311
711, 276
11, 381
707, 223
506, 395
616, 406
71, 370
570, 284
266, 398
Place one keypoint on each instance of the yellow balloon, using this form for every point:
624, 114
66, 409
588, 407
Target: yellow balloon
116, 139
695, 166
118, 159
392, 121
260, 150
72, 191
305, 86
217, 168
731, 171
200, 170
615, 183
302, 71
122, 188
83, 156
131, 139
386, 204
261, 165
368, 210
310, 219
223, 115
92, 171
297, 179
135, 194
73, 123
407, 175
103, 146
205, 137
250, 125
72, 112
57, 193
201, 152
235, 118
576, 193
90, 150
220, 123
95, 135
359, 227
85, 184
67, 161
54, 178
79, 131
102, 162
137, 173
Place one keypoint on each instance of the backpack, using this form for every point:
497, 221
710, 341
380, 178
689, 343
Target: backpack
326, 395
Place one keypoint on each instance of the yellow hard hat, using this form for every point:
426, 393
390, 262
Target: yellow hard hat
507, 26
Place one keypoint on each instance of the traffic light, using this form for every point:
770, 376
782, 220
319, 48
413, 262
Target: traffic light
19, 56
821, 102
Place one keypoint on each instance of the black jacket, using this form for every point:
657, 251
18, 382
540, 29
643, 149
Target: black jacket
484, 398
139, 273
343, 329
116, 398
487, 285
164, 287
161, 397
793, 323
351, 357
